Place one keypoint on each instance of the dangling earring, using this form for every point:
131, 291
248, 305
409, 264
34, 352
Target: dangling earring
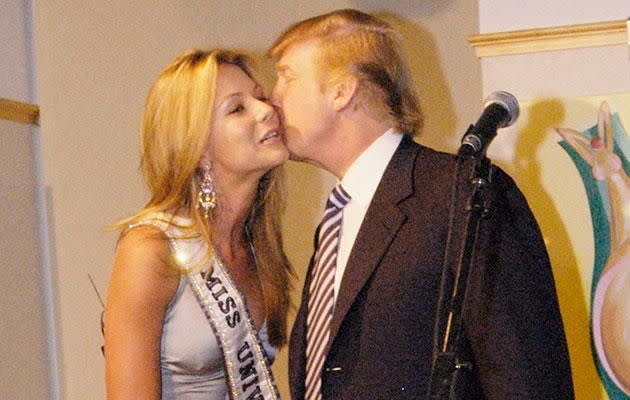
207, 200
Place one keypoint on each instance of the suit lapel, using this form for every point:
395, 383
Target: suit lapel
379, 227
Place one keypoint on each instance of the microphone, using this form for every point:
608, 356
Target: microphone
500, 110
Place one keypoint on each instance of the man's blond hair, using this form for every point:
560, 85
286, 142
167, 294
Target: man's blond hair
353, 43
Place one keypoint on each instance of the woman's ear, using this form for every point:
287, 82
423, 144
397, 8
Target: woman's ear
344, 92
204, 162
206, 156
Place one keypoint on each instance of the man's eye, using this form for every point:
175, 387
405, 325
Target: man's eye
237, 108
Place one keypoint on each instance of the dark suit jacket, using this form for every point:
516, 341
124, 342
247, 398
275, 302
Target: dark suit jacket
382, 329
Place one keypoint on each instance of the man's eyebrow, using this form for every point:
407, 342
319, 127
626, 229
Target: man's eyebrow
282, 69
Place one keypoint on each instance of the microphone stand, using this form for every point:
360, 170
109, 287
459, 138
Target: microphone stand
452, 368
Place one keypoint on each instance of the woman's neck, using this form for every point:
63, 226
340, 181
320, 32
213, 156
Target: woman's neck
230, 217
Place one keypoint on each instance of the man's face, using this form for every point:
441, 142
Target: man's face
305, 106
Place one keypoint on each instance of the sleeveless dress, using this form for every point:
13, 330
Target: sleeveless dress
191, 360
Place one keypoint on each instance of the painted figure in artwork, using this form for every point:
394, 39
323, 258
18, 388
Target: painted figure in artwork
611, 300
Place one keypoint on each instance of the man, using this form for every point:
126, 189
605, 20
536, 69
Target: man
364, 329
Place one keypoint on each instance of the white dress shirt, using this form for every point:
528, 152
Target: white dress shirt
360, 182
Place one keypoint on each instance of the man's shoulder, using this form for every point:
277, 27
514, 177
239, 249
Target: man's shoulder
409, 144
415, 166
426, 160
430, 159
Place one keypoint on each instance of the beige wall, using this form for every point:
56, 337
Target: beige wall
95, 63
15, 51
23, 340
509, 15
565, 73
24, 364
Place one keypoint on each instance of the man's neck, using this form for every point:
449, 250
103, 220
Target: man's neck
355, 136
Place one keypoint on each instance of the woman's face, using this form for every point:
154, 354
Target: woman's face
246, 138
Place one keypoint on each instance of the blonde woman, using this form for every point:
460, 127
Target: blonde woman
198, 295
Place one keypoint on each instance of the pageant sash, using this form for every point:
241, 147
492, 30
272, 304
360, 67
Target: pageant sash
247, 369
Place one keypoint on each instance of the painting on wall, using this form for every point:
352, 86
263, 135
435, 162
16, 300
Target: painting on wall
600, 154
571, 158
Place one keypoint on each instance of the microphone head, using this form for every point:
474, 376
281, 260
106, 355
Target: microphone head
507, 101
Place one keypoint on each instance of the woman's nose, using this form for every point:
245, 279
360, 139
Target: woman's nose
275, 95
265, 111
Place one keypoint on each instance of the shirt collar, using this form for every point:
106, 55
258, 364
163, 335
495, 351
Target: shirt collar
365, 173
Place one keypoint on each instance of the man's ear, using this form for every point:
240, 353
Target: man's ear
344, 92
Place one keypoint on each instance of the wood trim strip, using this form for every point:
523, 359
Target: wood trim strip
548, 39
17, 111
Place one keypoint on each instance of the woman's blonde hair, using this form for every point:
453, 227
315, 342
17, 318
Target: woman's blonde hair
175, 133
358, 44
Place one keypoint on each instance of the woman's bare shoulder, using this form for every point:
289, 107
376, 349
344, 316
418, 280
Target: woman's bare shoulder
143, 264
145, 247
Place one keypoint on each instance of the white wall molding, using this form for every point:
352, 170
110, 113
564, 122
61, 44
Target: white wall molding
552, 38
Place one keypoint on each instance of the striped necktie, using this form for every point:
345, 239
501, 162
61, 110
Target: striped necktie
321, 291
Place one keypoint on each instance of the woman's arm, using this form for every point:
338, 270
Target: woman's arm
141, 285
